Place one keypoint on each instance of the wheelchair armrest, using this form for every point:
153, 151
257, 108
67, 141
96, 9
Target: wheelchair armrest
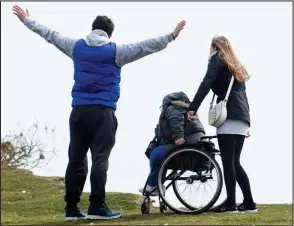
208, 137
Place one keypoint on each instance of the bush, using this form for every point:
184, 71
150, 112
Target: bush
24, 149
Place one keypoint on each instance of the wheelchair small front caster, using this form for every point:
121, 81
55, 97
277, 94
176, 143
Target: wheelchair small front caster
145, 207
162, 207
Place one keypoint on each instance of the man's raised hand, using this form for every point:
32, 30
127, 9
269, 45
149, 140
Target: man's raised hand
20, 13
178, 28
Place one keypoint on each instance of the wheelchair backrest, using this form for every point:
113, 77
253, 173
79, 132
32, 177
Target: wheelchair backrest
190, 160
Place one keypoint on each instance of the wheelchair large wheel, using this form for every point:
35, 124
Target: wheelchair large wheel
223, 196
189, 167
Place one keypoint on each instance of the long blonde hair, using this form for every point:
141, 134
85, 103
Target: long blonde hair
227, 54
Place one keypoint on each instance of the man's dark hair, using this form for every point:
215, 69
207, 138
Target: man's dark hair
103, 23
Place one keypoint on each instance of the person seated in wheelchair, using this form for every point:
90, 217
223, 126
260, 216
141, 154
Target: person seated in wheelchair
176, 126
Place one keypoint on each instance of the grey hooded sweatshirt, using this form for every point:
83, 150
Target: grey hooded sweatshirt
124, 53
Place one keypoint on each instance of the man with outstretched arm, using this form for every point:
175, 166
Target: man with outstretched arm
96, 90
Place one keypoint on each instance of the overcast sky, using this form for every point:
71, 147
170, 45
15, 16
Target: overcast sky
37, 80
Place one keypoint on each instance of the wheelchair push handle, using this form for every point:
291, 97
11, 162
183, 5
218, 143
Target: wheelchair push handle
208, 137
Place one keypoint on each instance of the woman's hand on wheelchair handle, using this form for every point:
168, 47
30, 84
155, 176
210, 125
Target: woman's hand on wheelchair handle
180, 141
192, 115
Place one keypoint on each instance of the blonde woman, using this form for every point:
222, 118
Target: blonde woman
223, 64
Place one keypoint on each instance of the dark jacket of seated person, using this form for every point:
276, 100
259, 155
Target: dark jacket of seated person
174, 124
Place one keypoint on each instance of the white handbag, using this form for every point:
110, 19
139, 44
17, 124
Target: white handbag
218, 114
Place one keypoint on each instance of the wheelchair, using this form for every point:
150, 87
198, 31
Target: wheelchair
186, 166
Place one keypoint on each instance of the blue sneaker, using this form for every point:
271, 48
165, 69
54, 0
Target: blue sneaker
100, 211
74, 214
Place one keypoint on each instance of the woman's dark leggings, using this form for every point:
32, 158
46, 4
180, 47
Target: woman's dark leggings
231, 146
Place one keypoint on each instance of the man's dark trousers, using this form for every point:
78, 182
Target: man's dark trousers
94, 127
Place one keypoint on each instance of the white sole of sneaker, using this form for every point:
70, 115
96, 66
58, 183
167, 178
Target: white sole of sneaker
75, 218
249, 211
96, 217
229, 212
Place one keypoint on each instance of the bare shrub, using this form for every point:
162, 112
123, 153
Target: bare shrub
26, 149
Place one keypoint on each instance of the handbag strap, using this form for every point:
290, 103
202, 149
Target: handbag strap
229, 89
227, 94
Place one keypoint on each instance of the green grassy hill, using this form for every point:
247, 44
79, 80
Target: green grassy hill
29, 199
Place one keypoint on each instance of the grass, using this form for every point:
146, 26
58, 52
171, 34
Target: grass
29, 199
